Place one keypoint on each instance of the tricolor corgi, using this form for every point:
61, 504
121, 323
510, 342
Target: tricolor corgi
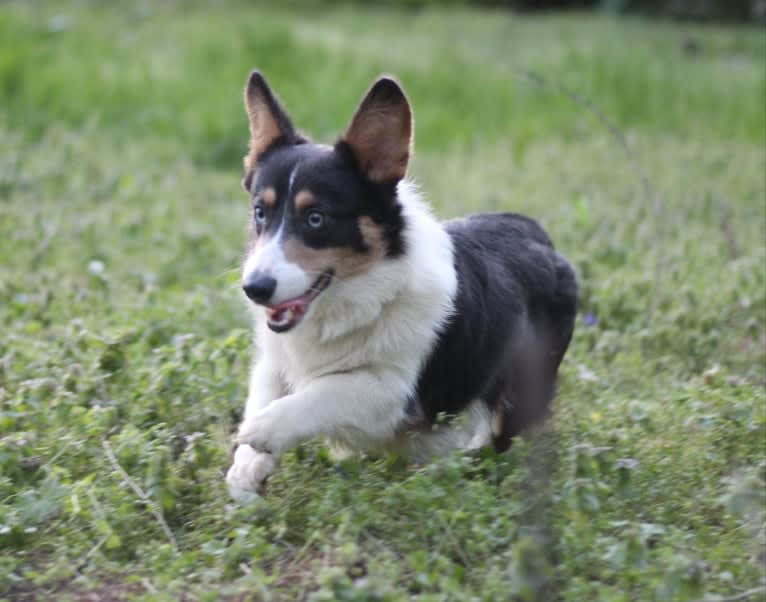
378, 327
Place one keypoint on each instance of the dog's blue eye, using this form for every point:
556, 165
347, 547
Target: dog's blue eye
260, 214
315, 219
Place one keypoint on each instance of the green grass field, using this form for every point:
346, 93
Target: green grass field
122, 225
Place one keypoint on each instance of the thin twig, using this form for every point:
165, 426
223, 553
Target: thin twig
149, 586
150, 504
57, 455
619, 136
613, 129
94, 549
92, 552
740, 596
245, 568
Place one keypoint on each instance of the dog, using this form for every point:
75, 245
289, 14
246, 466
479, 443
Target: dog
377, 327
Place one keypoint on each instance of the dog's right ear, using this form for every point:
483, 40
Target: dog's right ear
269, 123
380, 133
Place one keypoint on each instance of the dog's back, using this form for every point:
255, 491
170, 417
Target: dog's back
513, 319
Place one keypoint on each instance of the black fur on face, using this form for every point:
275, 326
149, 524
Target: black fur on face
329, 182
343, 197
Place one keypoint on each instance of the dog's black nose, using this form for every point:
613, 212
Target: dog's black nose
260, 287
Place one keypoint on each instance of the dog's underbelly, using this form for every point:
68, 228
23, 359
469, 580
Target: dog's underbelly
474, 428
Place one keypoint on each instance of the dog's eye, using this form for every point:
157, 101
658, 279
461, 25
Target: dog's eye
315, 219
260, 214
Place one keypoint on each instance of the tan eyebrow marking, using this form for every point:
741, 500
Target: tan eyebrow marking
269, 196
304, 199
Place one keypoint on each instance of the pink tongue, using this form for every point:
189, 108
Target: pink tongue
277, 312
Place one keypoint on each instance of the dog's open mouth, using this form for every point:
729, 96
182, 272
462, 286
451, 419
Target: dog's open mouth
286, 315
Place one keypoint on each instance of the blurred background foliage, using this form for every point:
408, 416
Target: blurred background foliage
710, 10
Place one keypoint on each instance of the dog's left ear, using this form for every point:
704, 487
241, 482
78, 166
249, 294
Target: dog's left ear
380, 134
269, 123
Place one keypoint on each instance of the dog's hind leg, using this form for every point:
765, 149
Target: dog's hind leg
515, 413
469, 431
533, 368
525, 398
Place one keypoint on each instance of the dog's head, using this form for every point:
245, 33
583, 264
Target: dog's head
321, 213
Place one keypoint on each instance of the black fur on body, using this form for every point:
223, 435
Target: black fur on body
514, 316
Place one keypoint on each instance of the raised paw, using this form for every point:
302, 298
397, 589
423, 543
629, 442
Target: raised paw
248, 474
268, 431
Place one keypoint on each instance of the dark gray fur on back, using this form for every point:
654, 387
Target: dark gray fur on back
514, 316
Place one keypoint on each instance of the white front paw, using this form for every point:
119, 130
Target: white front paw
247, 476
267, 431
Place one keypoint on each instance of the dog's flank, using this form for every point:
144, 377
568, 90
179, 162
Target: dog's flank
514, 316
372, 318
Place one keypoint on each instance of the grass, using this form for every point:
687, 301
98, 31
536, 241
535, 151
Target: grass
122, 226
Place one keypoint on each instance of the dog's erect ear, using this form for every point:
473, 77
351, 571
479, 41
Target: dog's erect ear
380, 134
268, 121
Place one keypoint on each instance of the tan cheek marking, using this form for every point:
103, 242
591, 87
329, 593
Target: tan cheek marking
269, 196
344, 261
309, 260
373, 237
303, 200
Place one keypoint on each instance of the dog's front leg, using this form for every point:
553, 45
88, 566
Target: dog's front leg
248, 473
360, 407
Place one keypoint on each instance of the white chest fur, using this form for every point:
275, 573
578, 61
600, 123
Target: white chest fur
385, 321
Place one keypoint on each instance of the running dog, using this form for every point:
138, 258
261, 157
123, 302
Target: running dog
378, 327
